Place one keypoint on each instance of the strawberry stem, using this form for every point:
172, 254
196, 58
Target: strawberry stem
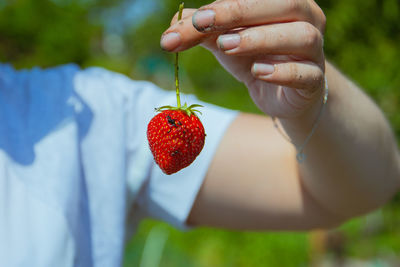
178, 99
189, 110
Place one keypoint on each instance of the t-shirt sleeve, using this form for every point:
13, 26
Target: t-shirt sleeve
123, 108
171, 197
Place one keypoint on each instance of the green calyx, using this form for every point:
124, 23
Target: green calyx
189, 110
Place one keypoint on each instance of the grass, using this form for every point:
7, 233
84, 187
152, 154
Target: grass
212, 247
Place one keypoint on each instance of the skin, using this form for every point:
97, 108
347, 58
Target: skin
352, 164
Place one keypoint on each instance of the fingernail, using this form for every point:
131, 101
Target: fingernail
228, 41
262, 69
203, 20
170, 41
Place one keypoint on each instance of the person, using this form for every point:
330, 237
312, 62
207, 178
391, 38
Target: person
77, 174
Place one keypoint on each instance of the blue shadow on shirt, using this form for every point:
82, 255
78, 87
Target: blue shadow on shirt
34, 104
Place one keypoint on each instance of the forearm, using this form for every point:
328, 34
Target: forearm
254, 182
352, 164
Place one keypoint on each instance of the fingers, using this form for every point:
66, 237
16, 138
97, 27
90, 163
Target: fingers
300, 39
300, 75
182, 35
229, 14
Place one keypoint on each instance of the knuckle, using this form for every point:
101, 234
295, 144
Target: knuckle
319, 79
253, 39
322, 20
316, 80
293, 6
319, 17
237, 9
293, 73
246, 37
312, 38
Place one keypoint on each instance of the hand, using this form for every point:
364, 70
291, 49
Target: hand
275, 47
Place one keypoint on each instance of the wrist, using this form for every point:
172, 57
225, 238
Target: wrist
300, 129
304, 121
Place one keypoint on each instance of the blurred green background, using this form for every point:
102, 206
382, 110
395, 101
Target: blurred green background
362, 39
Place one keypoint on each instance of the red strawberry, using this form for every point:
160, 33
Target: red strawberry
176, 135
175, 139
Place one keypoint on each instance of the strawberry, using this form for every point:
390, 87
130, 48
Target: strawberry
176, 135
175, 139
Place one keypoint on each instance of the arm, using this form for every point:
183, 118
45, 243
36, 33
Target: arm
254, 181
352, 167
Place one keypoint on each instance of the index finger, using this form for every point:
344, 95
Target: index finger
229, 14
182, 35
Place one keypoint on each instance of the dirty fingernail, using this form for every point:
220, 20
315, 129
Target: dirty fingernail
228, 41
203, 20
262, 69
170, 41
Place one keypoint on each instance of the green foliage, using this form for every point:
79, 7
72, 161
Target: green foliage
211, 247
42, 33
362, 39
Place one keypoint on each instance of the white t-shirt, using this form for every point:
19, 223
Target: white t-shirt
74, 162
